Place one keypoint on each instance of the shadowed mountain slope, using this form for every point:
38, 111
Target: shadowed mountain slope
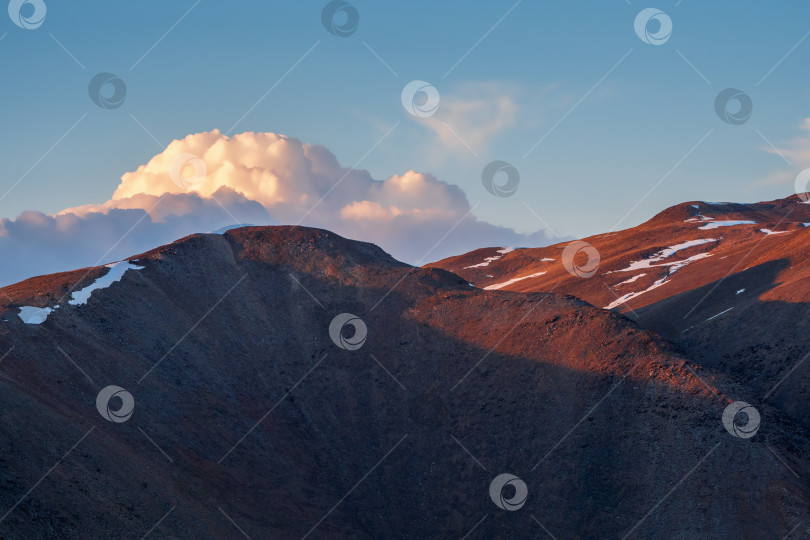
249, 415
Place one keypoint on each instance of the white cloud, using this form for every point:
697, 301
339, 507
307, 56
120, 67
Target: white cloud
257, 178
471, 119
36, 243
797, 151
471, 116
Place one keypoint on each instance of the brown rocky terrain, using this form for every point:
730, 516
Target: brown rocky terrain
737, 300
250, 420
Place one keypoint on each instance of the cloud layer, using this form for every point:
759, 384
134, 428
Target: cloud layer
36, 243
207, 181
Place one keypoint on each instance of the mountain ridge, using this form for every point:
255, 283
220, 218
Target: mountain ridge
242, 398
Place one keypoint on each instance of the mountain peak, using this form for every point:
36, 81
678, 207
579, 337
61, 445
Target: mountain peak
766, 211
227, 348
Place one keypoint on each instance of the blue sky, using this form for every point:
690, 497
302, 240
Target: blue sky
651, 117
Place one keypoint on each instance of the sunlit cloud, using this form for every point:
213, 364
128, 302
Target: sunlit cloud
206, 181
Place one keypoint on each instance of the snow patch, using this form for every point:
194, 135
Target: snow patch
658, 257
668, 252
685, 245
35, 315
629, 296
117, 271
672, 269
769, 232
741, 291
485, 263
631, 280
487, 260
506, 283
715, 224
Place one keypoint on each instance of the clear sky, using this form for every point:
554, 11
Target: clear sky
614, 115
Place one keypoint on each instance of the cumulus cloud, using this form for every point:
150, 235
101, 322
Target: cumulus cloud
208, 180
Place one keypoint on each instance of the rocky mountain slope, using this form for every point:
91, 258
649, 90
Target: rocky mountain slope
680, 249
284, 382
726, 282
